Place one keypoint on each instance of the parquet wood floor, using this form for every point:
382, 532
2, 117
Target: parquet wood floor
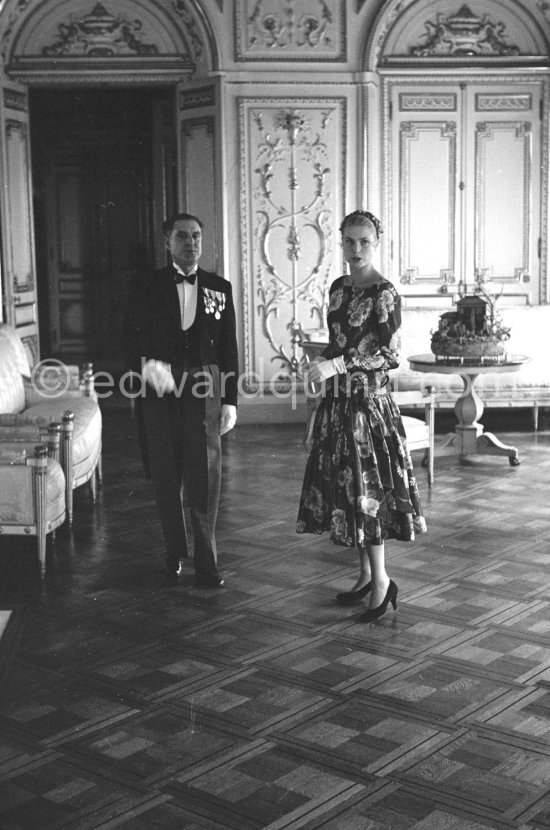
129, 703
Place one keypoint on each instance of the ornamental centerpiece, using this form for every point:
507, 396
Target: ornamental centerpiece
475, 330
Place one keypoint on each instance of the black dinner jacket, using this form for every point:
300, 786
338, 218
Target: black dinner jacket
153, 326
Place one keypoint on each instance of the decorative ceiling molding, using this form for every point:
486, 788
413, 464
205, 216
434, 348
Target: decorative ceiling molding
464, 34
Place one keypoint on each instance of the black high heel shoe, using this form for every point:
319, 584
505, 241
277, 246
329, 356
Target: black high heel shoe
347, 597
375, 613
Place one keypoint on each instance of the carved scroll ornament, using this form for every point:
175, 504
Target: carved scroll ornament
299, 149
273, 26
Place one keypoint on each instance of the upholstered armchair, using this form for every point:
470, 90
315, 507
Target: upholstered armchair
32, 483
60, 393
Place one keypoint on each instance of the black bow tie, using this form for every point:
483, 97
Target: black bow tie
190, 278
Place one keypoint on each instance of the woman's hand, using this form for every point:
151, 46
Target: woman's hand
319, 370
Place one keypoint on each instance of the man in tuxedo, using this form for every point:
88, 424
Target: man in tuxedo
181, 337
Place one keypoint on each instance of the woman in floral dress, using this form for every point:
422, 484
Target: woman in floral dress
359, 483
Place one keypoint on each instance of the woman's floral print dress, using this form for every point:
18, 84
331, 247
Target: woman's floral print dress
359, 483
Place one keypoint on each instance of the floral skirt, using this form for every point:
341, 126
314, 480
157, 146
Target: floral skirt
359, 482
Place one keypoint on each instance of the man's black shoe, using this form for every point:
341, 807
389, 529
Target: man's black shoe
209, 581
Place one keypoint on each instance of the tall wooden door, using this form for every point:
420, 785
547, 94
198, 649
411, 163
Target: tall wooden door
97, 202
464, 163
99, 243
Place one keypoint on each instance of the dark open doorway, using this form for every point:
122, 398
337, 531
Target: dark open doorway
97, 157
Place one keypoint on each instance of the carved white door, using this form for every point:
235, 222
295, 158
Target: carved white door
19, 272
464, 164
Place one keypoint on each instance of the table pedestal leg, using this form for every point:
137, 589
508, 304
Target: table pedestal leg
489, 444
468, 411
469, 438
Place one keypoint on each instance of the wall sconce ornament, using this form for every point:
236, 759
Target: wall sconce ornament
293, 281
464, 34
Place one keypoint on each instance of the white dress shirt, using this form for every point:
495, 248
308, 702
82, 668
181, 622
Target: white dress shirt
188, 299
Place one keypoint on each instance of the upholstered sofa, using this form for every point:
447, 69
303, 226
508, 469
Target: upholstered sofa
32, 484
528, 388
40, 395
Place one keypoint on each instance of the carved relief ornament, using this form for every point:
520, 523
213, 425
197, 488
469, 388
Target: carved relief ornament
271, 25
145, 44
294, 137
99, 34
290, 29
464, 34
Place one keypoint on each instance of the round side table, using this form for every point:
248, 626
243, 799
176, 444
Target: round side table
469, 437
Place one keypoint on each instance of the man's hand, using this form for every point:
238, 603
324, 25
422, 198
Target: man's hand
320, 370
228, 418
159, 376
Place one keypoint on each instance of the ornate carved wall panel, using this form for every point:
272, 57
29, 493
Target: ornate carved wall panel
299, 30
292, 160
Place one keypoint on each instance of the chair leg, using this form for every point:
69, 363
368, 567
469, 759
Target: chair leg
430, 419
40, 475
67, 461
430, 466
99, 469
93, 486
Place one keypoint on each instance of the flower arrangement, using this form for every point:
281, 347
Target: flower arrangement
476, 329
